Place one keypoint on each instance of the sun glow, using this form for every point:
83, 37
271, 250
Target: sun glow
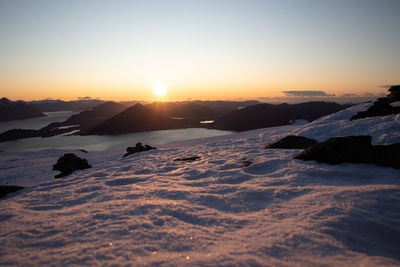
159, 89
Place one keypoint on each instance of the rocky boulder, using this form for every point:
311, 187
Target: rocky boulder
353, 149
69, 163
136, 149
292, 142
5, 189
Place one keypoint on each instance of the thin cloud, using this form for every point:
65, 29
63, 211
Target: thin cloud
349, 95
84, 98
306, 93
87, 98
386, 86
369, 95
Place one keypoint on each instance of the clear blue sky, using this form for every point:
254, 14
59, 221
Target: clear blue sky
199, 49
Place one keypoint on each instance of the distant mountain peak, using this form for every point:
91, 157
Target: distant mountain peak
5, 100
17, 110
138, 105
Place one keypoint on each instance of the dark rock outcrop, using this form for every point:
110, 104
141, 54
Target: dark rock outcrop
187, 159
19, 110
394, 93
69, 163
292, 142
136, 149
382, 106
353, 149
5, 189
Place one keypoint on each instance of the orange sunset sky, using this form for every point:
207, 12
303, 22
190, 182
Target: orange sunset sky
118, 50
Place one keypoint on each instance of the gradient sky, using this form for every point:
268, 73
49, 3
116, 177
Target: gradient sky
217, 49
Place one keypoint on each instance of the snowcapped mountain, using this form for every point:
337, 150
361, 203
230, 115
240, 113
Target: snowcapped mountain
238, 204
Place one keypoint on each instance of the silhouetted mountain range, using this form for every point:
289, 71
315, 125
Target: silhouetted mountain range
87, 120
223, 107
137, 118
114, 118
18, 110
60, 105
188, 111
268, 115
84, 121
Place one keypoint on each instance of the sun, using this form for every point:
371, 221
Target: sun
159, 89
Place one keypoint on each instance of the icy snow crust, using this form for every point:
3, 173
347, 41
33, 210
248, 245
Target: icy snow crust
147, 209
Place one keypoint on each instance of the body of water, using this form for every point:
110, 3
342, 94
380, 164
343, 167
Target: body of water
37, 123
94, 143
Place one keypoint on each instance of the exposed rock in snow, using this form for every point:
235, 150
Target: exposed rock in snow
187, 159
384, 130
69, 163
382, 107
136, 149
6, 189
394, 93
354, 149
292, 142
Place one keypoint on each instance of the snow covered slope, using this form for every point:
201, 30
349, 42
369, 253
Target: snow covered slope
147, 209
384, 130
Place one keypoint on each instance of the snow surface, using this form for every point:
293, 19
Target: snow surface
147, 209
384, 130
